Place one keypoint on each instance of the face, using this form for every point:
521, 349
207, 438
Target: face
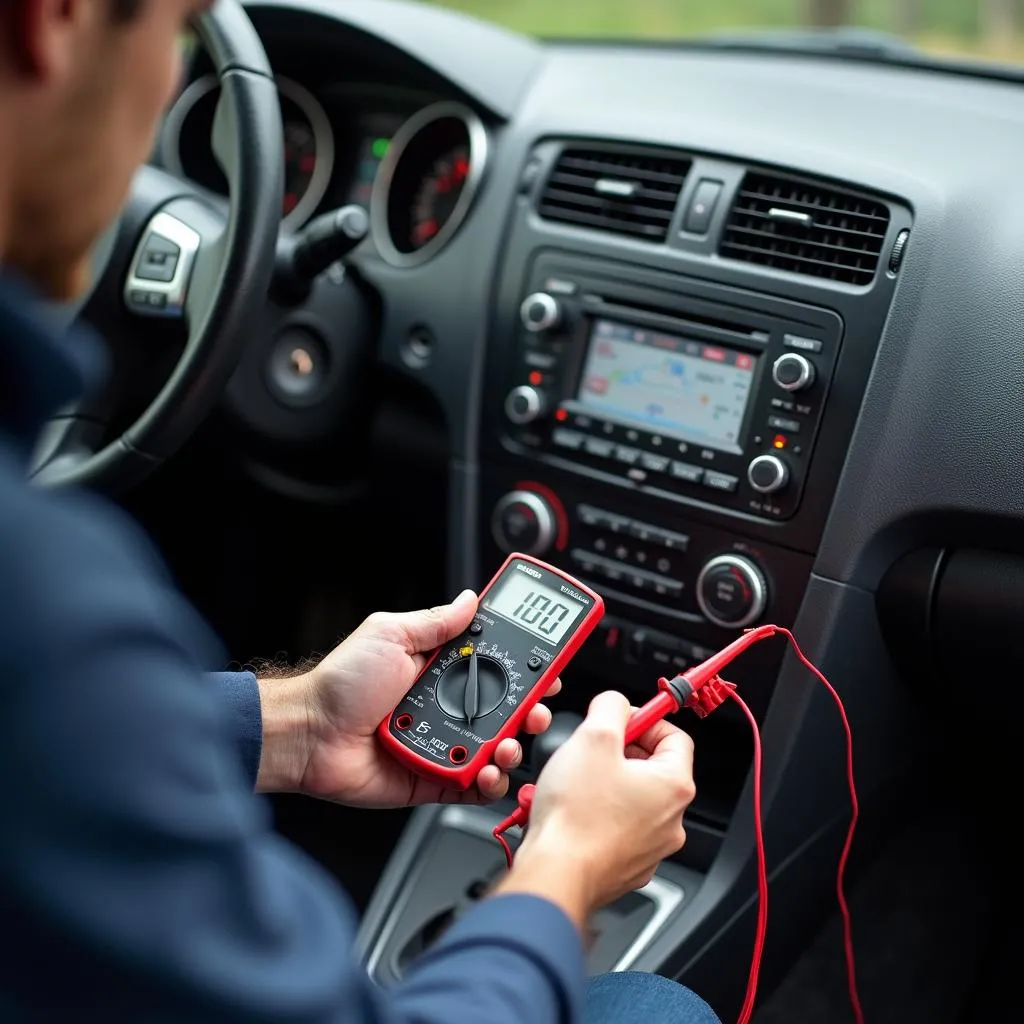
89, 119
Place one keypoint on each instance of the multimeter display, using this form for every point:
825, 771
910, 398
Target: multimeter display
478, 688
543, 611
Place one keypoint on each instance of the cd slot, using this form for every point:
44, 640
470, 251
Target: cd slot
676, 321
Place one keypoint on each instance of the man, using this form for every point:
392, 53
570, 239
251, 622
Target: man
139, 878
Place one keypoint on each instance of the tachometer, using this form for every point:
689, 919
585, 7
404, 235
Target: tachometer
427, 182
438, 196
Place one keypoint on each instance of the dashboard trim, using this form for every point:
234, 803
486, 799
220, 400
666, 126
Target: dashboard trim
479, 151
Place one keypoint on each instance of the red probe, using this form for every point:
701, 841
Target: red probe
702, 690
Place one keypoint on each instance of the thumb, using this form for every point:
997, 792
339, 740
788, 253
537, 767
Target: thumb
607, 717
424, 630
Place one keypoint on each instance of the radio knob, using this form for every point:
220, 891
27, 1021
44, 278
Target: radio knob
541, 312
768, 474
793, 372
525, 404
732, 592
524, 521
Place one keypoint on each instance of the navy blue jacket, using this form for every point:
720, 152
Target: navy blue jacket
140, 878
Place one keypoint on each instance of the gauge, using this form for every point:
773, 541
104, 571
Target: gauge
438, 196
427, 182
375, 132
308, 142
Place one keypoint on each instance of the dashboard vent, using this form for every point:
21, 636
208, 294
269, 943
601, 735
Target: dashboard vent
806, 228
625, 193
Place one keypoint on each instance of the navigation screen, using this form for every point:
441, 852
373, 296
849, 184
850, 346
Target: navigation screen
690, 389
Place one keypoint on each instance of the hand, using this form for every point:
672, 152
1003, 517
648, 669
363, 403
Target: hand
354, 688
604, 817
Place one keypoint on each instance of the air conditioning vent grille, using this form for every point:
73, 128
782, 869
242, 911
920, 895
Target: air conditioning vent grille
624, 193
806, 228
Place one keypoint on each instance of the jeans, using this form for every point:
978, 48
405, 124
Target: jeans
630, 997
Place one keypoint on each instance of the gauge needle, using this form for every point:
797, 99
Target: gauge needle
472, 699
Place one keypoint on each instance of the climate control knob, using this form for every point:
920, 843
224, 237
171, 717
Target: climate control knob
793, 372
541, 312
525, 404
524, 521
768, 474
732, 592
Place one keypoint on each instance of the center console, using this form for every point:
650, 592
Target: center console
670, 428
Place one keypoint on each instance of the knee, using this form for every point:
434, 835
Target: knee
632, 997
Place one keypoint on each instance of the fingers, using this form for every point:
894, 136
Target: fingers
493, 782
538, 720
606, 719
426, 629
554, 689
508, 755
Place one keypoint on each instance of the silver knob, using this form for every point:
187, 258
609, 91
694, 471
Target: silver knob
732, 592
540, 312
768, 474
524, 521
525, 404
793, 372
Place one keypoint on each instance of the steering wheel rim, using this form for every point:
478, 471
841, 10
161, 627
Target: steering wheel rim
221, 310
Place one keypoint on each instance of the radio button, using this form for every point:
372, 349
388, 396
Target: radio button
540, 312
803, 344
782, 423
541, 360
525, 404
599, 447
793, 372
626, 455
654, 463
524, 521
571, 439
720, 481
684, 471
731, 592
662, 586
768, 474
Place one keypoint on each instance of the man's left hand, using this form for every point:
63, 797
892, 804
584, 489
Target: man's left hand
320, 728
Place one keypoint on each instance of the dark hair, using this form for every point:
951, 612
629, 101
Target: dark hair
125, 10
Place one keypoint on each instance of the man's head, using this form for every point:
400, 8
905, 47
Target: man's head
82, 87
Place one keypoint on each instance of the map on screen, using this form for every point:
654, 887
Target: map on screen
690, 389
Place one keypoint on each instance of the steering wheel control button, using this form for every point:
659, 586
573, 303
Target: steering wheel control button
540, 312
524, 521
702, 207
768, 474
297, 368
159, 260
793, 372
525, 404
471, 688
732, 592
161, 268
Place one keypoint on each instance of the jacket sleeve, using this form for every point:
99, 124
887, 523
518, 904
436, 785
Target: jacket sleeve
141, 877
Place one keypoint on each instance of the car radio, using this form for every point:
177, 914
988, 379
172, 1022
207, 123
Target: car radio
677, 387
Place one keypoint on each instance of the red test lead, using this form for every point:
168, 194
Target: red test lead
702, 690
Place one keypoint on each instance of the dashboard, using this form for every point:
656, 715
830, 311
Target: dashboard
731, 335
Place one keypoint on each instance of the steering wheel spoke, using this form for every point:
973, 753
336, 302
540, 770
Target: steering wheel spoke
161, 269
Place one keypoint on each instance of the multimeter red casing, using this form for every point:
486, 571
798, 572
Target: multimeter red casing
429, 731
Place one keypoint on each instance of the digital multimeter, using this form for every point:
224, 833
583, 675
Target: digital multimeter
477, 689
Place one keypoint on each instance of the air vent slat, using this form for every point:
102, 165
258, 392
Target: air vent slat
624, 193
806, 228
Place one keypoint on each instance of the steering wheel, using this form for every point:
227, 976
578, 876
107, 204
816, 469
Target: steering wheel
175, 255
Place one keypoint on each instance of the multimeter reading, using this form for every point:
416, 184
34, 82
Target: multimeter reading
477, 689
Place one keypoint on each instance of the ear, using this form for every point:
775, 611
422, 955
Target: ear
43, 34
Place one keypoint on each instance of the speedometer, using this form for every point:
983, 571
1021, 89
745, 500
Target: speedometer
427, 183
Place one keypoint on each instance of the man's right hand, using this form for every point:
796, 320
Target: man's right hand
604, 817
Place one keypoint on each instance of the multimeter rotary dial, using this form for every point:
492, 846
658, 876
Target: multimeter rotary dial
471, 688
